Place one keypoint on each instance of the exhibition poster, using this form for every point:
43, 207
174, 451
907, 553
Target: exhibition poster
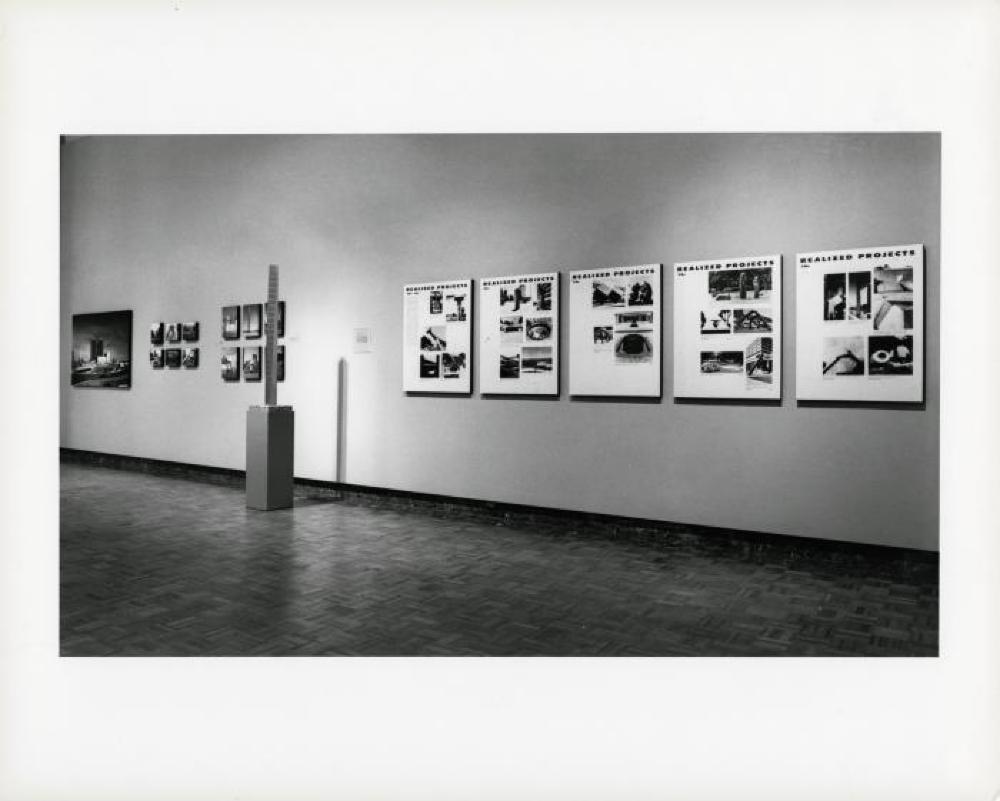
519, 335
615, 331
860, 326
437, 334
727, 328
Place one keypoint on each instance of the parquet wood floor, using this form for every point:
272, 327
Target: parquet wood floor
170, 567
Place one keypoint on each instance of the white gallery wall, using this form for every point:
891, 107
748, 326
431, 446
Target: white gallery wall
174, 228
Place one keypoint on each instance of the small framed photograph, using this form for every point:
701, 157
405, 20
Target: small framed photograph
172, 358
190, 358
156, 358
230, 322
189, 332
251, 364
156, 334
173, 332
252, 314
230, 364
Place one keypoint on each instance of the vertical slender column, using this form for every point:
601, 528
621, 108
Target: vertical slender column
270, 346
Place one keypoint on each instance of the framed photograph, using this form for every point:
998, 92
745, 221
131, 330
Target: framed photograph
280, 357
727, 328
252, 316
252, 363
156, 358
230, 364
230, 322
860, 324
172, 358
615, 330
173, 333
279, 328
156, 334
189, 358
437, 337
519, 335
102, 350
189, 332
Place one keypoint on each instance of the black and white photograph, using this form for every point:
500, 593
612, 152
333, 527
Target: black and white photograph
102, 350
538, 329
859, 295
747, 284
893, 299
603, 336
758, 361
511, 329
721, 362
752, 321
434, 338
230, 364
513, 298
252, 358
452, 365
510, 365
280, 323
718, 321
843, 356
834, 296
543, 296
455, 308
477, 544
608, 294
634, 320
633, 347
230, 322
536, 359
252, 316
890, 355
430, 366
640, 293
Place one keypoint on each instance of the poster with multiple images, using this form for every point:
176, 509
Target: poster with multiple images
102, 350
519, 335
437, 337
727, 328
860, 327
615, 331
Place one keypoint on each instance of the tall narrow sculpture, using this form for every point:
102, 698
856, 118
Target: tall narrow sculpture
270, 428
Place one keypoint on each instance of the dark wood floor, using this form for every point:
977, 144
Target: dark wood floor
169, 567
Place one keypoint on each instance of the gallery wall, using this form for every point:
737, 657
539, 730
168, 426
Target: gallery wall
176, 227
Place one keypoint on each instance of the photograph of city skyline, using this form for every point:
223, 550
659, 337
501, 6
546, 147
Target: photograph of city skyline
102, 350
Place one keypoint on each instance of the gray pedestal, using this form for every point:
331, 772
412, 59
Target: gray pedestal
270, 456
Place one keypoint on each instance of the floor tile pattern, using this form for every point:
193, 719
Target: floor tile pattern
161, 566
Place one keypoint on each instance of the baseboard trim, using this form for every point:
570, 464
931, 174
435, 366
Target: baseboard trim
749, 543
